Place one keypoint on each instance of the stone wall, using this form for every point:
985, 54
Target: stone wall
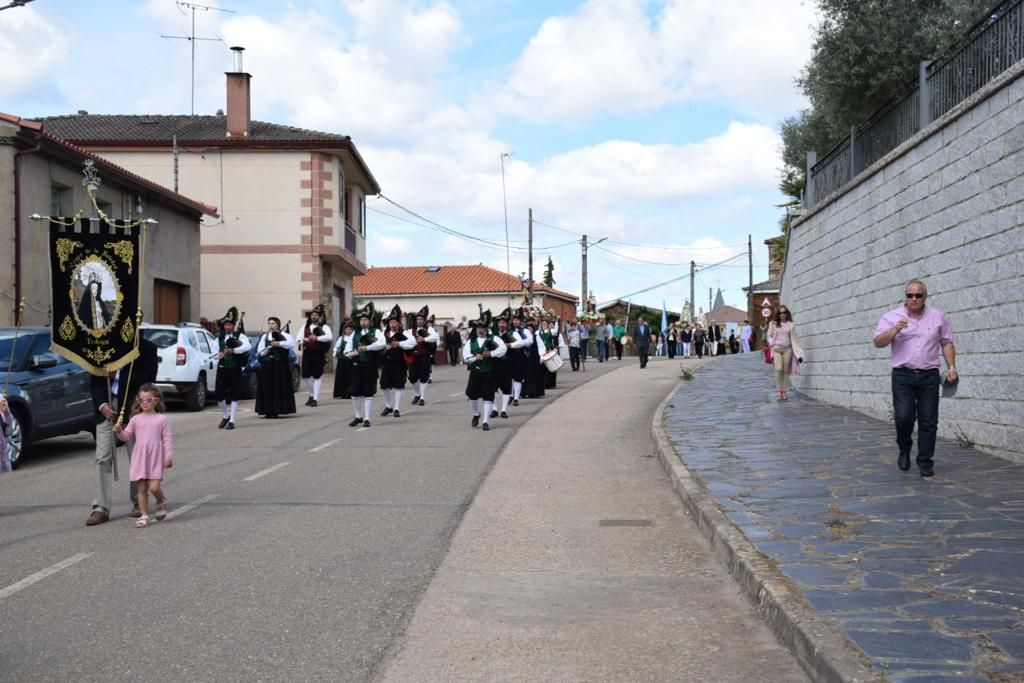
946, 207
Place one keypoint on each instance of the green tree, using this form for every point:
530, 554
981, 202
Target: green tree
866, 53
549, 273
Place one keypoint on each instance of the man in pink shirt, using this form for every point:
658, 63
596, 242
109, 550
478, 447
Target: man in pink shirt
917, 334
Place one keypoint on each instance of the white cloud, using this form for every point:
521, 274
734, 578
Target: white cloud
30, 48
390, 246
610, 57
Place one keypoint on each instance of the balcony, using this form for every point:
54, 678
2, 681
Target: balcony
350, 239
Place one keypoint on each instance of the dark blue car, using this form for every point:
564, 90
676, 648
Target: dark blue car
47, 394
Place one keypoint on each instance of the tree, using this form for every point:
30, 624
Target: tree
549, 274
866, 53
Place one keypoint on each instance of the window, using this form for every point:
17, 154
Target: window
362, 215
346, 202
342, 194
58, 199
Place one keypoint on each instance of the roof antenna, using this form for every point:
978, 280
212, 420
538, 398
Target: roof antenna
192, 38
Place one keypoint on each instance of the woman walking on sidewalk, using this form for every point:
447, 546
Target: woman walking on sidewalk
786, 352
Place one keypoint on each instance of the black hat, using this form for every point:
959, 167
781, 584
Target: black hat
366, 311
505, 315
396, 314
320, 310
423, 313
348, 324
230, 317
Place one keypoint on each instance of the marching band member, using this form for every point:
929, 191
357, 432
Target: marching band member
367, 342
342, 363
502, 365
233, 354
274, 393
479, 354
316, 338
394, 367
423, 364
519, 353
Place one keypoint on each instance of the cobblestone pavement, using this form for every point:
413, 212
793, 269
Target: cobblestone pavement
926, 577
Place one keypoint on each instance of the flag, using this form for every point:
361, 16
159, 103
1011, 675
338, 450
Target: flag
664, 316
94, 288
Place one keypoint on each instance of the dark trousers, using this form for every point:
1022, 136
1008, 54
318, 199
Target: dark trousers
453, 355
915, 398
643, 352
584, 343
671, 348
600, 350
618, 349
574, 358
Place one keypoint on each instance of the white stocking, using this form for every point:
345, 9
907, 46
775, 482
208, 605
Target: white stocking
387, 398
309, 385
367, 407
316, 389
398, 398
505, 398
517, 390
357, 405
476, 407
421, 390
223, 405
234, 411
488, 407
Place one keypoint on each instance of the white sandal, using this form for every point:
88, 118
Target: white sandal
142, 522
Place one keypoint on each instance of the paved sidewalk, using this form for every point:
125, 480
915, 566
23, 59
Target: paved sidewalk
806, 505
577, 562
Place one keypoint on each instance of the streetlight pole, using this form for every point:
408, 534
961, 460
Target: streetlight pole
504, 201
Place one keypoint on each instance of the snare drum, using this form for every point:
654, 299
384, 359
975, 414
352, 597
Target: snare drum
552, 361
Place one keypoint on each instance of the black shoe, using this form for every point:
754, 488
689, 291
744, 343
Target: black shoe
486, 427
356, 422
366, 423
476, 420
422, 402
504, 414
927, 472
397, 414
903, 461
387, 411
515, 401
415, 400
231, 425
313, 403
309, 401
430, 381
223, 423
494, 413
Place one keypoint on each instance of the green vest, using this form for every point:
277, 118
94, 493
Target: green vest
477, 346
230, 359
547, 337
364, 355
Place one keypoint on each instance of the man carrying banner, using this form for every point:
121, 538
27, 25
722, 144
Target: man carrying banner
233, 353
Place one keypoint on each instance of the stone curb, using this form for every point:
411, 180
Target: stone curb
819, 647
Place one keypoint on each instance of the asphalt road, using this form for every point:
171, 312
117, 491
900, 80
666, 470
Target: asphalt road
296, 549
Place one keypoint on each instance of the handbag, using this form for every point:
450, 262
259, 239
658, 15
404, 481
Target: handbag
768, 355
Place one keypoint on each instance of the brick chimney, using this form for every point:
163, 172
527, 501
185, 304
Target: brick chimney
239, 117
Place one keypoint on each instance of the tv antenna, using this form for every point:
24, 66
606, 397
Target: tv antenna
192, 37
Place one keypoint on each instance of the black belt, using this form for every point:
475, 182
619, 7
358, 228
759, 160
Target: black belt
915, 370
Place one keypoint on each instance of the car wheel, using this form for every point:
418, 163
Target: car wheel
196, 398
16, 437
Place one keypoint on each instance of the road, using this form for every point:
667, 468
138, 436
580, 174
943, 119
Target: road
296, 549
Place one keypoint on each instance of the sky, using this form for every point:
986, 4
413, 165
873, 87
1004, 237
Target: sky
651, 127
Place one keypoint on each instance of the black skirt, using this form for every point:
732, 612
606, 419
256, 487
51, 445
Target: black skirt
274, 393
533, 385
343, 378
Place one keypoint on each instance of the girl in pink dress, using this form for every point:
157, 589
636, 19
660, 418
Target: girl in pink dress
153, 450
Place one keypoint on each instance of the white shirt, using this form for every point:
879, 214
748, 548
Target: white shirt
431, 337
263, 347
467, 350
407, 344
244, 348
524, 341
325, 338
347, 340
377, 345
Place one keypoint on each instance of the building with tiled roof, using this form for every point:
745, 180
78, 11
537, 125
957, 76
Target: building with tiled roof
42, 174
454, 293
292, 225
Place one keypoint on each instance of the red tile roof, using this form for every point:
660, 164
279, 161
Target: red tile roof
417, 280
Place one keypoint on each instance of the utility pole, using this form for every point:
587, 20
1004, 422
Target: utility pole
710, 290
583, 242
693, 302
750, 275
583, 295
529, 290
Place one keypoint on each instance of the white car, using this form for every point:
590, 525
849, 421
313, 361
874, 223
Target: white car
188, 361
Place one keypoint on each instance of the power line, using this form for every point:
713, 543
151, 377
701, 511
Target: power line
650, 245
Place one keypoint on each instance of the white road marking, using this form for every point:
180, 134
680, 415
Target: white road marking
185, 508
458, 394
40, 575
317, 449
263, 473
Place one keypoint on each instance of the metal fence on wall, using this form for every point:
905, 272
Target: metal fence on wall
991, 47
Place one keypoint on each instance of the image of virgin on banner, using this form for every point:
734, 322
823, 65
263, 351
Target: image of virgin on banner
94, 294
